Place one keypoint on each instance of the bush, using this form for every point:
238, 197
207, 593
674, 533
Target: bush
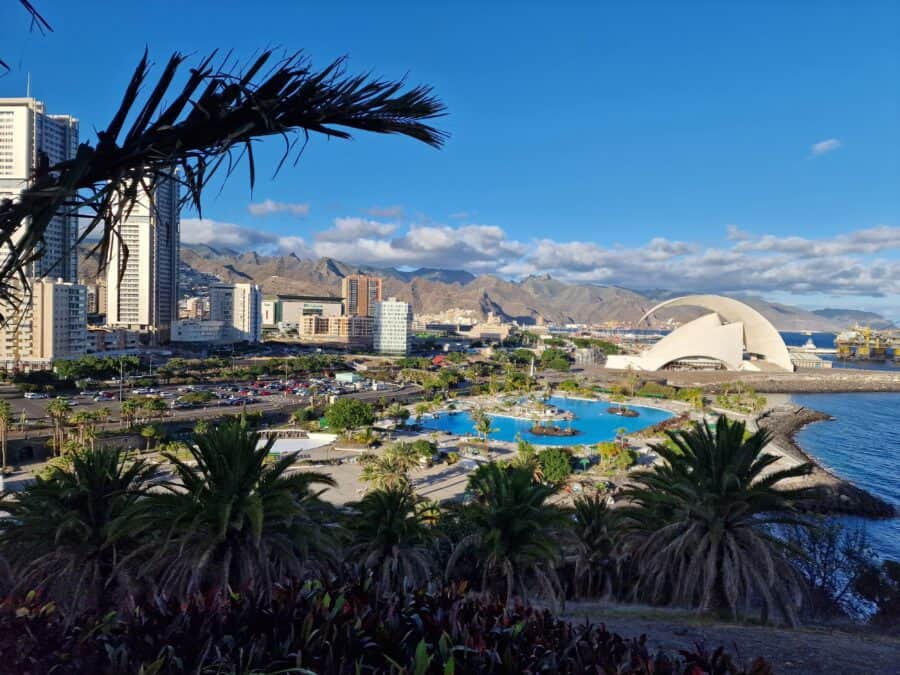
452, 458
615, 456
339, 629
348, 413
656, 390
556, 464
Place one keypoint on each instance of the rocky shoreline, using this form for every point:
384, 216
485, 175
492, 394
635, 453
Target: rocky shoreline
835, 495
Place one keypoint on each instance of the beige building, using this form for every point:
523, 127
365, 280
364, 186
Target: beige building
354, 331
59, 320
145, 295
360, 293
286, 311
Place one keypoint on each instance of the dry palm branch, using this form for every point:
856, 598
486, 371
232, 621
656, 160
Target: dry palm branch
211, 122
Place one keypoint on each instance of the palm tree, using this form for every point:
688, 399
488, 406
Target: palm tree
699, 523
150, 433
515, 531
421, 410
67, 533
82, 420
58, 410
482, 423
6, 419
390, 470
234, 521
593, 532
390, 537
129, 411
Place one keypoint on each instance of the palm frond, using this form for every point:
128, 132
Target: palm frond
214, 117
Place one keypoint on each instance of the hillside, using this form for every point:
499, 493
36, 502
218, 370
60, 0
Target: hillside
432, 290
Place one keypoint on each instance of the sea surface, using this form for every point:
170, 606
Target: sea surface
862, 444
591, 419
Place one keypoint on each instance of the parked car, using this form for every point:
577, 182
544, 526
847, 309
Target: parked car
35, 394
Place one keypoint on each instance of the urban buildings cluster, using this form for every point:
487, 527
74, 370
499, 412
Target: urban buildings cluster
358, 319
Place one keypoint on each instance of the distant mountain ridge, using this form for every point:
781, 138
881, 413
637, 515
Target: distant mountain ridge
435, 290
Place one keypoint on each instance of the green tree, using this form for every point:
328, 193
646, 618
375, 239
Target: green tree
594, 536
68, 531
515, 532
150, 433
58, 411
390, 538
233, 521
398, 413
6, 420
129, 411
83, 420
482, 422
698, 522
556, 464
421, 409
349, 413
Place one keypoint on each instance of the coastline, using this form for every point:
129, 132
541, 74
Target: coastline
835, 495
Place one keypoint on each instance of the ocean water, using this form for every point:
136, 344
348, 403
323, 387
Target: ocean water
862, 444
591, 419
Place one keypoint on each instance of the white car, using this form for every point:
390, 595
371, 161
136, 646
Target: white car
35, 394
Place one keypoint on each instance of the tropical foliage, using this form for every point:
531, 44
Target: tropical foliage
699, 523
343, 629
67, 533
230, 520
515, 532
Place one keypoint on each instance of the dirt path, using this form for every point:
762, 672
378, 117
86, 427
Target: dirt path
804, 651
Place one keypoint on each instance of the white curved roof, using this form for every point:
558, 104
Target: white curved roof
759, 335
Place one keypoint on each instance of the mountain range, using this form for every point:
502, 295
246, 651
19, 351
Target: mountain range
433, 290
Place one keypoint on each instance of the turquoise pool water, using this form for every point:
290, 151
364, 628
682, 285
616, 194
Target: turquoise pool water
591, 419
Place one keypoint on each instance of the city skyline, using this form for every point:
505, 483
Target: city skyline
605, 146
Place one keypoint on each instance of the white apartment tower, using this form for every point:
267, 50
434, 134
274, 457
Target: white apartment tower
238, 306
142, 290
59, 320
29, 138
393, 321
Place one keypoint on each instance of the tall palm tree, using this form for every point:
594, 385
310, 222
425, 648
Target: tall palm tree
594, 537
390, 537
233, 520
129, 411
6, 420
699, 524
516, 531
58, 411
68, 532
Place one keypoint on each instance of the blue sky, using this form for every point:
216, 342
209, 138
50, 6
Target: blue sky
651, 145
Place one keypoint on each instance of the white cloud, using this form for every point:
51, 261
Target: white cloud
824, 147
217, 233
350, 229
268, 207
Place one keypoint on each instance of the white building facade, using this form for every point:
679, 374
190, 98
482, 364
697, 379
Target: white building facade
393, 327
60, 320
142, 289
238, 306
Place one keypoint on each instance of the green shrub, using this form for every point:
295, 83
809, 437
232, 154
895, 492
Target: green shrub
556, 464
452, 458
615, 456
656, 390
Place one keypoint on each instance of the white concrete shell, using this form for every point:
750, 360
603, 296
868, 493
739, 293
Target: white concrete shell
759, 336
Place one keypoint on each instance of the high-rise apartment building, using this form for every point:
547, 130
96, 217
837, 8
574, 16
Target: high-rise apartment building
393, 327
238, 306
142, 289
59, 328
30, 138
360, 294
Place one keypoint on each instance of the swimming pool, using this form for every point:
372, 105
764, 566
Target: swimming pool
591, 419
